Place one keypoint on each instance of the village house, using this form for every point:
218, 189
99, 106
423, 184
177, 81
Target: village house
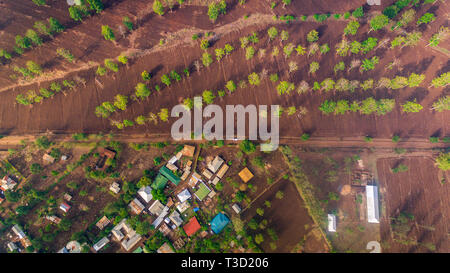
195, 178
7, 183
176, 218
146, 193
164, 229
12, 246
53, 219
64, 207
236, 208
100, 244
156, 208
48, 159
136, 206
161, 217
165, 248
373, 214
215, 180
67, 197
215, 164
182, 207
245, 175
188, 151
222, 171
331, 223
115, 187
179, 243
192, 226
219, 222
105, 154
184, 195
71, 247
127, 237
202, 191
103, 222
207, 174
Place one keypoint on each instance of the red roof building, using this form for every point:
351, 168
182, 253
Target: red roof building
191, 227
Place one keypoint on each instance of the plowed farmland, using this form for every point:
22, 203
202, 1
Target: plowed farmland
74, 110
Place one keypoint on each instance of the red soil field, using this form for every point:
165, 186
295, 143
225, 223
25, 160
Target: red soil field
75, 111
288, 217
418, 191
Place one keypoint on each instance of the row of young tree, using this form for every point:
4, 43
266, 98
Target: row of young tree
31, 97
341, 85
367, 106
32, 37
85, 8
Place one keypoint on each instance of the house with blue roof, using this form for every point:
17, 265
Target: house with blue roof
219, 223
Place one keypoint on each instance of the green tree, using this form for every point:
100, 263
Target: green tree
351, 28
164, 114
253, 79
443, 161
111, 65
249, 52
55, 26
23, 42
247, 146
122, 59
358, 13
121, 101
128, 24
279, 195
411, 107
426, 18
207, 59
379, 22
231, 86
166, 80
34, 37
312, 36
272, 32
142, 91
107, 33
35, 168
208, 96
158, 8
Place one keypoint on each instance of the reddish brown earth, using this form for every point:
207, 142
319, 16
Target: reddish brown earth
288, 217
75, 111
418, 191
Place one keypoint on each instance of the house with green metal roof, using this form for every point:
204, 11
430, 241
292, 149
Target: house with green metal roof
202, 191
170, 175
160, 182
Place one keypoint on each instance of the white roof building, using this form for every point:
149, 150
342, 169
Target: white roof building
373, 214
115, 188
173, 160
12, 246
175, 218
18, 231
146, 193
184, 195
156, 208
182, 207
236, 208
331, 223
101, 244
215, 164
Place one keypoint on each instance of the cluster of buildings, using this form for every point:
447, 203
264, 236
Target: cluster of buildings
7, 183
18, 239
